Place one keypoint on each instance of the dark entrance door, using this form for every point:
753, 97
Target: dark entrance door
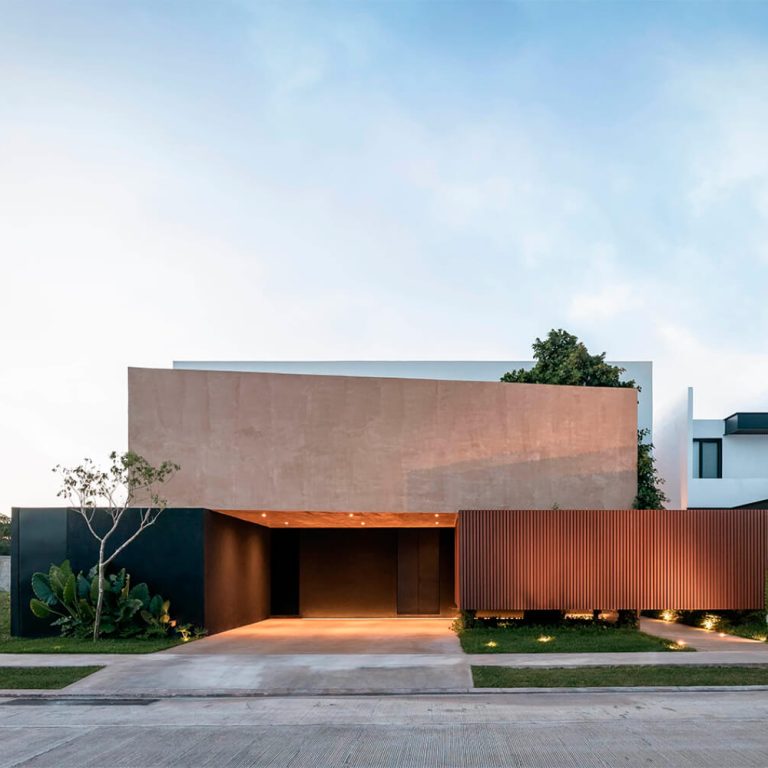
418, 571
284, 573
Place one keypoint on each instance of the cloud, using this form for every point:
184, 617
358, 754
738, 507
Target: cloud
607, 302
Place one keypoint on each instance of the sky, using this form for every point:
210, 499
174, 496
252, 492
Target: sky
371, 180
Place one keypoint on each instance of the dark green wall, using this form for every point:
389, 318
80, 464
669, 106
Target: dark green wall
168, 556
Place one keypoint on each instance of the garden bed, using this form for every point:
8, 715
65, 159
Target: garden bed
59, 644
589, 638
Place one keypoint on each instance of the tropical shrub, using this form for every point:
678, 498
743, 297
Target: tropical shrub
70, 599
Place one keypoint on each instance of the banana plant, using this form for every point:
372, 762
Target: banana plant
71, 599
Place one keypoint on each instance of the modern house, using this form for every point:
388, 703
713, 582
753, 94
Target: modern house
716, 463
316, 494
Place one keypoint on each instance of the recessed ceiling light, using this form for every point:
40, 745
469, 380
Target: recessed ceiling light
263, 514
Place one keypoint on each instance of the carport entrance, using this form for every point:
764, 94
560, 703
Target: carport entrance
373, 572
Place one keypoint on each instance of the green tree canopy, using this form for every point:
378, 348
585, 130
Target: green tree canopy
562, 359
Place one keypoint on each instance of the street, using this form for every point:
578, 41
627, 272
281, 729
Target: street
674, 729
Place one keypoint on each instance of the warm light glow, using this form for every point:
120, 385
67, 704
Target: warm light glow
363, 523
681, 643
545, 638
667, 615
710, 622
285, 523
491, 644
263, 514
722, 634
761, 638
437, 522
436, 514
351, 514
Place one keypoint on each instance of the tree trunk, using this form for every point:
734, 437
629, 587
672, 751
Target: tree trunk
100, 600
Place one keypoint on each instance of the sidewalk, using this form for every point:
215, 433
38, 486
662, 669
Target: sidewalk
177, 673
702, 639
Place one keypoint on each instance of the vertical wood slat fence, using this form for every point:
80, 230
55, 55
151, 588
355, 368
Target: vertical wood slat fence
568, 559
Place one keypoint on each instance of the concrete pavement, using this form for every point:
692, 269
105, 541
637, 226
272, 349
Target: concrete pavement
702, 639
331, 636
672, 730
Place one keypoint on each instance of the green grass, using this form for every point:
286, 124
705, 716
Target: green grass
592, 677
58, 644
752, 631
565, 639
43, 677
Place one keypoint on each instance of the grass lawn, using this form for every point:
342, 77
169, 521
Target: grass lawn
592, 677
58, 644
43, 677
752, 631
575, 639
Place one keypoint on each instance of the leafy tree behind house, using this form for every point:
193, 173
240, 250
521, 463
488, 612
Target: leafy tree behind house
562, 359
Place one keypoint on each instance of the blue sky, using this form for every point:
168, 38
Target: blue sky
372, 180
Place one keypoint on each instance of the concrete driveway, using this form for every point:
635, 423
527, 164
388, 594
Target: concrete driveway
298, 656
331, 636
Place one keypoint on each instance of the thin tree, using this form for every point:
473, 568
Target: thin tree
130, 482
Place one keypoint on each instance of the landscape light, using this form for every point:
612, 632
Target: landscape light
710, 622
545, 638
491, 644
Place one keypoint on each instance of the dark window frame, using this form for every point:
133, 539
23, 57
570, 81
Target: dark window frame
697, 446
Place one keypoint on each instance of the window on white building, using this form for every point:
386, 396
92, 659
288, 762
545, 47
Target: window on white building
708, 458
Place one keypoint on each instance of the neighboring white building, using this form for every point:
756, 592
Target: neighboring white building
714, 463
455, 370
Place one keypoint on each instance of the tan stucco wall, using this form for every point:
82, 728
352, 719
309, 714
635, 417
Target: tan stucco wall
294, 442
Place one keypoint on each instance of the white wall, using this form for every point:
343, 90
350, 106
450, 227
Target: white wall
672, 449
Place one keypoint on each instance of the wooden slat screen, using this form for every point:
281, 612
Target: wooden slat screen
611, 559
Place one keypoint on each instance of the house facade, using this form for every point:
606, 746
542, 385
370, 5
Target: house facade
315, 494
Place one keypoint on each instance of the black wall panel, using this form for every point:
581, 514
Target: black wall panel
237, 574
39, 538
168, 556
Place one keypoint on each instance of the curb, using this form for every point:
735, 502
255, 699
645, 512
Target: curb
90, 698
